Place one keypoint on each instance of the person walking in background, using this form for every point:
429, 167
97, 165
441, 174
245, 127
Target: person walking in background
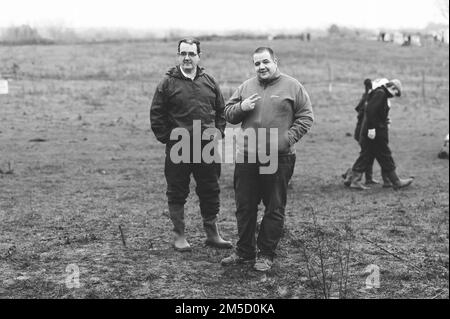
270, 100
187, 93
374, 138
369, 86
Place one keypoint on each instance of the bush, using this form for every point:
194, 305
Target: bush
23, 34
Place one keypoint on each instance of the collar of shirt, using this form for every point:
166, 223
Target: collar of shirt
189, 76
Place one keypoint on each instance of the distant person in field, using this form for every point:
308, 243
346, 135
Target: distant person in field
443, 153
271, 99
185, 94
375, 137
369, 85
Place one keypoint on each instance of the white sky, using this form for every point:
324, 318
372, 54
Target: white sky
220, 15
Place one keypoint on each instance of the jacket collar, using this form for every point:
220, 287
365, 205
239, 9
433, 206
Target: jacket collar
176, 73
382, 88
388, 94
272, 80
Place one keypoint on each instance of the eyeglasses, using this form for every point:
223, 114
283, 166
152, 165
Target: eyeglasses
190, 54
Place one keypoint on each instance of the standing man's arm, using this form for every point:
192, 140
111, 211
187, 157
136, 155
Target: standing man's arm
159, 118
233, 110
220, 120
303, 117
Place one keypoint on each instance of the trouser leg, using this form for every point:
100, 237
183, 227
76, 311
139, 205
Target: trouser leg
274, 195
369, 171
177, 178
207, 189
383, 153
246, 188
366, 157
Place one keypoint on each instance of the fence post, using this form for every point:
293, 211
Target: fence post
330, 78
423, 85
3, 85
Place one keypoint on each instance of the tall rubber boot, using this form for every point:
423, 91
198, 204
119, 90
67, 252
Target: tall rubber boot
357, 181
176, 213
398, 182
386, 181
213, 237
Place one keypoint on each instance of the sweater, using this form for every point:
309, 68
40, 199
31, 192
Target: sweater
284, 105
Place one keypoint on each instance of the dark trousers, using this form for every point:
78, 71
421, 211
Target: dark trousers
377, 148
178, 176
250, 188
370, 161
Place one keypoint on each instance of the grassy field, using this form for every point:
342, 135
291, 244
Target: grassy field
79, 160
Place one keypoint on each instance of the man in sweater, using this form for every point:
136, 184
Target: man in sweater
270, 102
185, 99
374, 138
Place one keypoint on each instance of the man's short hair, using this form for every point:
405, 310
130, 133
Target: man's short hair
189, 41
264, 49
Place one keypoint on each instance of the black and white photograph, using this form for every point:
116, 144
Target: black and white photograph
228, 157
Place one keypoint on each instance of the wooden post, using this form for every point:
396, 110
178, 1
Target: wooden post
122, 236
3, 86
423, 86
330, 78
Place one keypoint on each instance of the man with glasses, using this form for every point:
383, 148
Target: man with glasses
374, 138
187, 94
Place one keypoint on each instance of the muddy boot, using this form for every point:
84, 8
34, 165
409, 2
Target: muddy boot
397, 182
386, 181
356, 182
369, 177
213, 237
176, 212
347, 176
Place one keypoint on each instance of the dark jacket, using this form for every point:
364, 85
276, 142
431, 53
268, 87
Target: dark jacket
178, 101
376, 114
360, 108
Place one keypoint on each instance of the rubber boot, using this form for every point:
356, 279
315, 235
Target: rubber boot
386, 181
176, 212
397, 182
347, 176
213, 237
357, 181
369, 177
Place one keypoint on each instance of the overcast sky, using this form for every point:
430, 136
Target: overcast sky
221, 15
